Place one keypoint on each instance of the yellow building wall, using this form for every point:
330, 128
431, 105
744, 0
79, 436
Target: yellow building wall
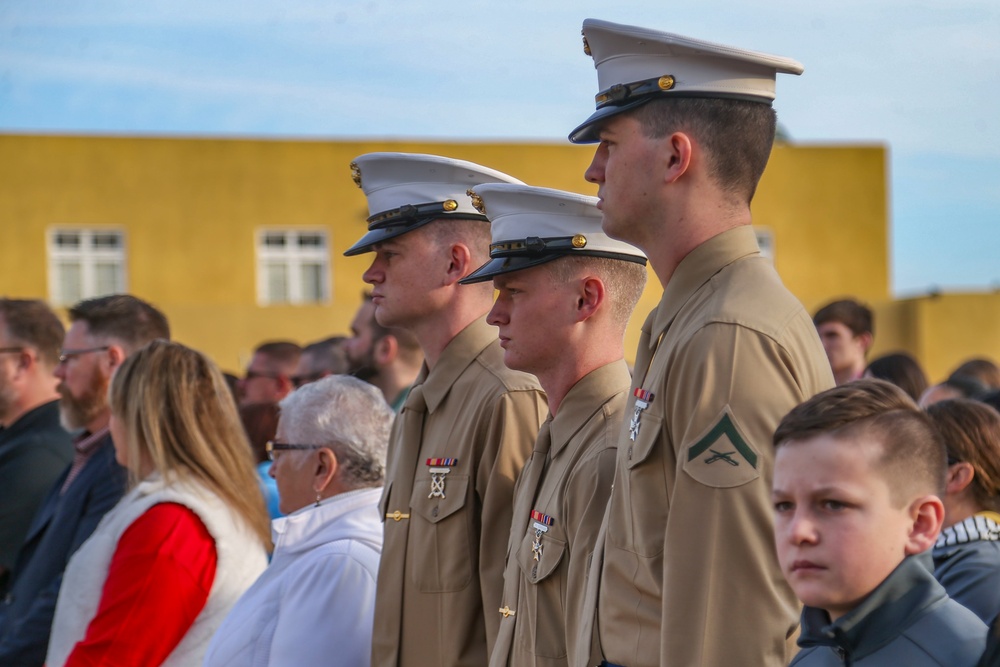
190, 209
828, 208
941, 331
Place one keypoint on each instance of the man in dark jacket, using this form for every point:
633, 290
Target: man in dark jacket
34, 448
103, 333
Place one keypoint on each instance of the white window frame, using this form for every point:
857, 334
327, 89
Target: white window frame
293, 256
88, 257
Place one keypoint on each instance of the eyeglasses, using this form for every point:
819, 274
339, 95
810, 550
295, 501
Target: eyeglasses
952, 460
11, 350
261, 374
66, 355
271, 447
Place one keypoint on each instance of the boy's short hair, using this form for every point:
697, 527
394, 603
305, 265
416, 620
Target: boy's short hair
852, 314
913, 459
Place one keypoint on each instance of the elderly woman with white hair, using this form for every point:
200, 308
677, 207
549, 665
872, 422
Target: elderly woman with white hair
314, 604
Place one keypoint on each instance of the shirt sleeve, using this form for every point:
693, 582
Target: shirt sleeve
725, 600
158, 582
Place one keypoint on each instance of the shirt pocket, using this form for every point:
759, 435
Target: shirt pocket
647, 502
541, 607
441, 541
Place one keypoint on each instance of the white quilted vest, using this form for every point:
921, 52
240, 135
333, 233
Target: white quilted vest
241, 559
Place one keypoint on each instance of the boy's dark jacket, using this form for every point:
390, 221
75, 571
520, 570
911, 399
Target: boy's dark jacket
907, 620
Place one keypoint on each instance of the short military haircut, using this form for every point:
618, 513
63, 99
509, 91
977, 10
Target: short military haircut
737, 135
852, 314
282, 355
912, 458
475, 234
126, 319
30, 322
971, 434
623, 280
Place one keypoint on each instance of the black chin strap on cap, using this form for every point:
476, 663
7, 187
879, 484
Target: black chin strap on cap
412, 214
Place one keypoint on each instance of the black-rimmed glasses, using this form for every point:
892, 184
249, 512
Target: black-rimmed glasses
11, 350
271, 447
66, 355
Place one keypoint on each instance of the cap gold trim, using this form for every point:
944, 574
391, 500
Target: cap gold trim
624, 93
356, 174
586, 45
477, 201
449, 205
579, 241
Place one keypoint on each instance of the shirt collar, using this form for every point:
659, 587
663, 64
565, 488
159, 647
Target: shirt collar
85, 443
586, 398
697, 269
456, 357
894, 605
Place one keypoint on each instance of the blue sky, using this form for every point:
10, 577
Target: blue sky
918, 77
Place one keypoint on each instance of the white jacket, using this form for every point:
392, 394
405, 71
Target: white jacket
241, 558
314, 604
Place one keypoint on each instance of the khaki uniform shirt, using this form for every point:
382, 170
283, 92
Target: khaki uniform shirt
442, 557
542, 601
690, 576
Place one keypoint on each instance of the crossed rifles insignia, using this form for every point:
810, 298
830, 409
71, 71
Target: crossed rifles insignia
439, 468
724, 427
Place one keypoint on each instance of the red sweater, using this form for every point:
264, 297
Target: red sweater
158, 582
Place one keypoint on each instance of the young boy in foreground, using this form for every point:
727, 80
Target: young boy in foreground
858, 471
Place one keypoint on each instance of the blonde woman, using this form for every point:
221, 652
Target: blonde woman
165, 565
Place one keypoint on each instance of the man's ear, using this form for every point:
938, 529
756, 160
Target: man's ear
459, 263
867, 340
385, 350
27, 359
590, 296
285, 383
679, 150
927, 514
116, 355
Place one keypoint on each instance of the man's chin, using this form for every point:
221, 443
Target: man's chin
74, 417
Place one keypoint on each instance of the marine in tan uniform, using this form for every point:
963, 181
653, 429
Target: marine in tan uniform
466, 427
689, 575
565, 291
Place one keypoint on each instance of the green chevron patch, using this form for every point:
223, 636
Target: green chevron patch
722, 457
726, 428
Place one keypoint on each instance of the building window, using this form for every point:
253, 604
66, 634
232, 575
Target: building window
85, 263
293, 267
765, 239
